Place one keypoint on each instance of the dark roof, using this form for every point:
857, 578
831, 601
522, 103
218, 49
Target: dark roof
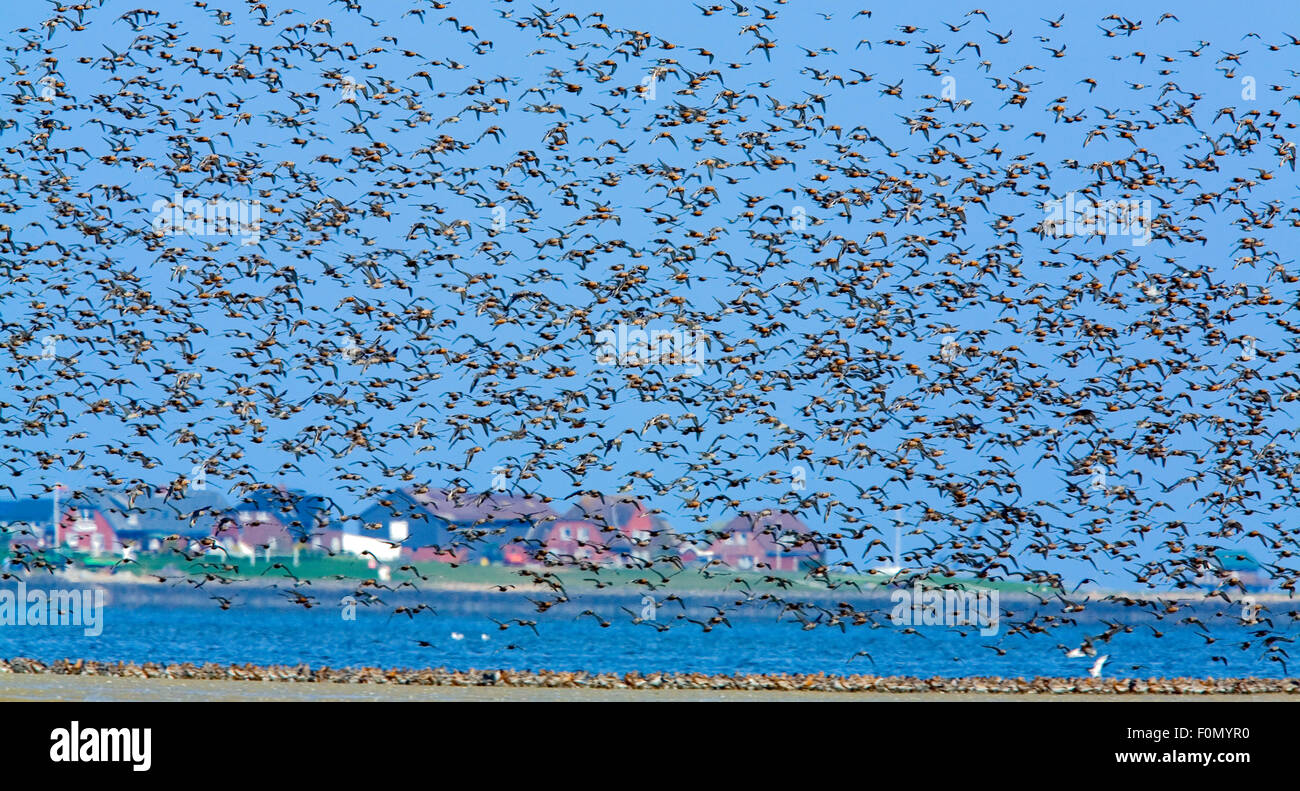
779, 527
771, 522
465, 507
485, 507
158, 513
604, 510
300, 512
457, 520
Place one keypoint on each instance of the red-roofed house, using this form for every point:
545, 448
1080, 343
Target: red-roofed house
766, 542
605, 530
85, 530
451, 526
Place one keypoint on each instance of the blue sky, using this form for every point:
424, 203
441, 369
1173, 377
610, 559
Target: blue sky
371, 260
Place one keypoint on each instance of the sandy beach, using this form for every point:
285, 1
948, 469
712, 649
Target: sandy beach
51, 687
82, 680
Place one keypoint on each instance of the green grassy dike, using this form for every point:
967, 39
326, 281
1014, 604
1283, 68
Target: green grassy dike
316, 566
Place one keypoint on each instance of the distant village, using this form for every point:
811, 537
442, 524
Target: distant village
422, 524
413, 524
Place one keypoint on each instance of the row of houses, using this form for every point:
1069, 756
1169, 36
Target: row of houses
420, 524
417, 524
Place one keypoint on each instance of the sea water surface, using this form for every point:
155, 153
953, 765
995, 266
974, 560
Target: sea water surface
464, 635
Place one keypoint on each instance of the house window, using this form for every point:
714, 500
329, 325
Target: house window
398, 530
582, 534
565, 533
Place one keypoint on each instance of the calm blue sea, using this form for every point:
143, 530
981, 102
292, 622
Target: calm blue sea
164, 632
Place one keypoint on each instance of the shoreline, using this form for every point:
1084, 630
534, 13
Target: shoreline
27, 679
88, 689
129, 581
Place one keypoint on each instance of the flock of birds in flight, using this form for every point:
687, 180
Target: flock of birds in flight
453, 203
